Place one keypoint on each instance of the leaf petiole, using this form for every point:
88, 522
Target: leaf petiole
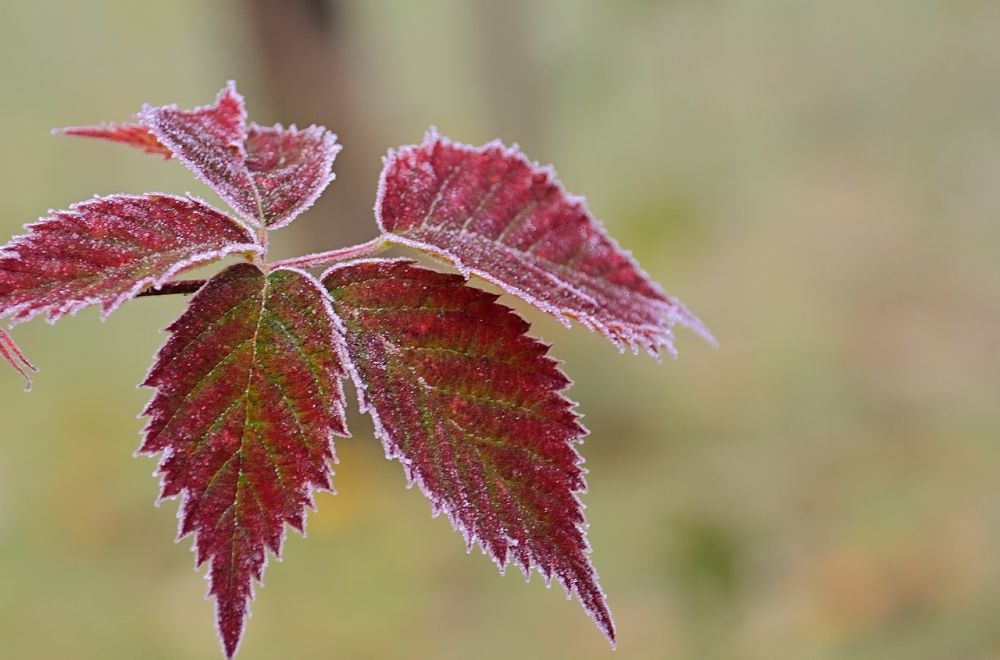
170, 288
370, 248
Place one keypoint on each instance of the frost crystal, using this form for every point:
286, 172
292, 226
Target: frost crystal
474, 410
248, 398
494, 213
248, 386
269, 175
107, 250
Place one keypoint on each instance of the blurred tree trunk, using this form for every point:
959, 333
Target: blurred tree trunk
312, 77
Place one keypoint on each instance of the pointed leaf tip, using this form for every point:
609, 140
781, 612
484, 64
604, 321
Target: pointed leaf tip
492, 212
269, 175
108, 249
474, 410
248, 398
13, 355
133, 135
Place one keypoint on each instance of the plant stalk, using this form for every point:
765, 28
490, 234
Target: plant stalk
170, 288
369, 248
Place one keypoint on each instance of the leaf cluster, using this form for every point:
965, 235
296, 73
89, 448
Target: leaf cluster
248, 388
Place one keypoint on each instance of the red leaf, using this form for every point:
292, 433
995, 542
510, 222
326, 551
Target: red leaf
268, 174
493, 213
134, 135
13, 355
473, 409
108, 249
248, 399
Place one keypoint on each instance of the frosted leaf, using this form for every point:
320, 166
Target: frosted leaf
106, 250
473, 408
248, 398
290, 167
248, 386
269, 175
493, 213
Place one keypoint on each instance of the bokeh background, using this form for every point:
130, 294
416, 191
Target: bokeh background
819, 181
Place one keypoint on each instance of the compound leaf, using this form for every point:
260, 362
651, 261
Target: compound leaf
248, 398
474, 410
495, 214
108, 249
269, 175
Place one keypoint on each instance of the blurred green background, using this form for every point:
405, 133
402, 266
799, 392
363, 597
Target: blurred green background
819, 181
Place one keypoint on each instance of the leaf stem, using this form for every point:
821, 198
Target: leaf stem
169, 288
372, 247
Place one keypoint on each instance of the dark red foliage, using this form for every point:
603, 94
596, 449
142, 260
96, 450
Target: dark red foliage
268, 175
474, 410
248, 399
248, 386
106, 250
134, 135
494, 213
290, 168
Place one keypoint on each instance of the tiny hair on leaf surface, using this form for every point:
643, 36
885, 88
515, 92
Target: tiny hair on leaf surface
248, 386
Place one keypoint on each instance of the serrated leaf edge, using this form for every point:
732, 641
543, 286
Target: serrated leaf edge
330, 147
55, 312
674, 311
182, 496
437, 504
